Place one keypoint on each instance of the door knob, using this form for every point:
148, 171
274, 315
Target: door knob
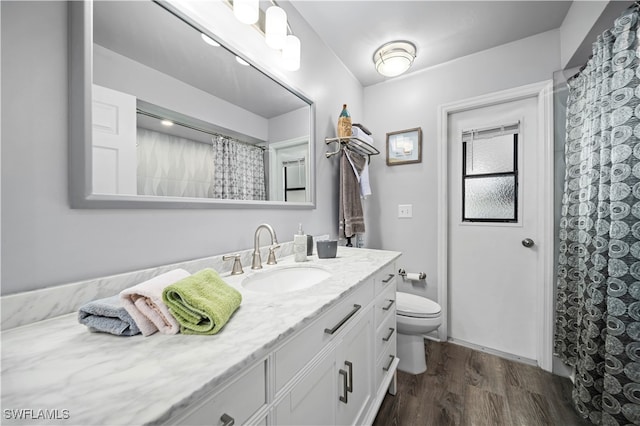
528, 242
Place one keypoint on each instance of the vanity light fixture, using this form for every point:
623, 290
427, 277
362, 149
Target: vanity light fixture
209, 40
394, 58
275, 27
247, 11
291, 53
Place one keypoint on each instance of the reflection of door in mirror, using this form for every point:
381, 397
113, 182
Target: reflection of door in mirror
288, 170
114, 142
294, 180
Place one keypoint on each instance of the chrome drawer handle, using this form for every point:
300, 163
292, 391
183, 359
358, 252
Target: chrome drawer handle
356, 308
344, 398
390, 362
389, 278
227, 420
349, 365
391, 302
391, 331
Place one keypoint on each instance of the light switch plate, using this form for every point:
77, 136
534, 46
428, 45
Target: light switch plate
405, 210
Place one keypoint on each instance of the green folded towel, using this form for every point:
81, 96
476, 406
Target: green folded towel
201, 303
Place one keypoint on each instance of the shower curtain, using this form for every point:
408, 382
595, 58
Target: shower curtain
598, 299
239, 170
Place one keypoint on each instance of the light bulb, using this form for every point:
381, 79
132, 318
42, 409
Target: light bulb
275, 27
242, 61
246, 11
209, 40
291, 53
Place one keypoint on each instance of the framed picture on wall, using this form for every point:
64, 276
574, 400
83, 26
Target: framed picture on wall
404, 147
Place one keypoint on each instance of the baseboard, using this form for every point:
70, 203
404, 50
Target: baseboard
496, 352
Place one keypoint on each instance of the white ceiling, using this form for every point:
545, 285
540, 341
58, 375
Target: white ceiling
441, 30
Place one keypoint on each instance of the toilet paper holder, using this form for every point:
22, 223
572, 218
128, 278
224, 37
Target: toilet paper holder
411, 275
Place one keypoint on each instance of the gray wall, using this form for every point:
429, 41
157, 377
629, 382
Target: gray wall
412, 102
45, 243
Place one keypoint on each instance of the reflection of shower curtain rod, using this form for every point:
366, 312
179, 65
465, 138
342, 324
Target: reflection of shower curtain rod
197, 129
294, 162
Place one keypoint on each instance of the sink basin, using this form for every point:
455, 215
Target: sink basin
286, 279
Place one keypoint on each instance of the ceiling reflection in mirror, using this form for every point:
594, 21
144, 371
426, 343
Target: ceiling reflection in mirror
176, 116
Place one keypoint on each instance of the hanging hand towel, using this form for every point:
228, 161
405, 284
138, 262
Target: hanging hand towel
202, 303
362, 175
107, 316
351, 216
144, 303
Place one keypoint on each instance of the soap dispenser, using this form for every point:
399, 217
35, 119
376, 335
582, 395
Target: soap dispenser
300, 245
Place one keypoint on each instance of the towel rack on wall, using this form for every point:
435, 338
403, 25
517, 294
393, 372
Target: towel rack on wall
352, 143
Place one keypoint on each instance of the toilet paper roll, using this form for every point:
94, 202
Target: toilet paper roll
413, 276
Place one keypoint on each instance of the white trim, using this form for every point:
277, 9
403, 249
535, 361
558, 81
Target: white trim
495, 352
543, 91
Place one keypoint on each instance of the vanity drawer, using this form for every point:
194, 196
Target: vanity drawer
385, 305
304, 346
385, 334
385, 277
237, 401
385, 363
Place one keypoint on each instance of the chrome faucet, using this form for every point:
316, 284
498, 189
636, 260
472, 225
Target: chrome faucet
256, 262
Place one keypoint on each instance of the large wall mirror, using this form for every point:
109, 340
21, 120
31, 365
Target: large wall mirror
164, 115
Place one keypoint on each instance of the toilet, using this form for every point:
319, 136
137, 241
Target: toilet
415, 316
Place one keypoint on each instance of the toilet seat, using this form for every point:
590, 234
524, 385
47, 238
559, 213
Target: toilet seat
410, 305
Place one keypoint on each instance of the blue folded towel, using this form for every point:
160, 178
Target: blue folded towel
107, 316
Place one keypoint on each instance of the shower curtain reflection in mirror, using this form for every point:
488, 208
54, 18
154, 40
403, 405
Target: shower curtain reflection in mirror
239, 170
174, 166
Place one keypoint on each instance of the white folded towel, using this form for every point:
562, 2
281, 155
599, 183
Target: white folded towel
357, 132
144, 303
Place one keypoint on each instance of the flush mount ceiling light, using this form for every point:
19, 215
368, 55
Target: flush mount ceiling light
394, 58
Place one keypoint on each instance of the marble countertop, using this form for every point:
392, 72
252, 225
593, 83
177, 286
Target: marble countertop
96, 378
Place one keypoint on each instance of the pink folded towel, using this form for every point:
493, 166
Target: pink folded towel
144, 303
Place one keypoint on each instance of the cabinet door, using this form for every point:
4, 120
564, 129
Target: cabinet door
354, 364
311, 401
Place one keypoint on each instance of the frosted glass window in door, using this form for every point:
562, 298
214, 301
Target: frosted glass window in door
493, 155
490, 198
490, 178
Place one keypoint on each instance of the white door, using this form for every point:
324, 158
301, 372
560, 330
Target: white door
114, 155
493, 276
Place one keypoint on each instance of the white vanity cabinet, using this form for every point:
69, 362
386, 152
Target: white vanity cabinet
234, 404
336, 384
386, 329
334, 371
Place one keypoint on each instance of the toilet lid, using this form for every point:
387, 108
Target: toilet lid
416, 306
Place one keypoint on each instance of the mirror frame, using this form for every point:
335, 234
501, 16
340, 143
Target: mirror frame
81, 195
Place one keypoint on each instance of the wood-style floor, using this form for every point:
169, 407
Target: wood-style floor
466, 387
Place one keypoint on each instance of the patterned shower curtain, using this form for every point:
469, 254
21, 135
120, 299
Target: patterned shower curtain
598, 299
239, 170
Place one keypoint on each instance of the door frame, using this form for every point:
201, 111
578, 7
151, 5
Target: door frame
543, 92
